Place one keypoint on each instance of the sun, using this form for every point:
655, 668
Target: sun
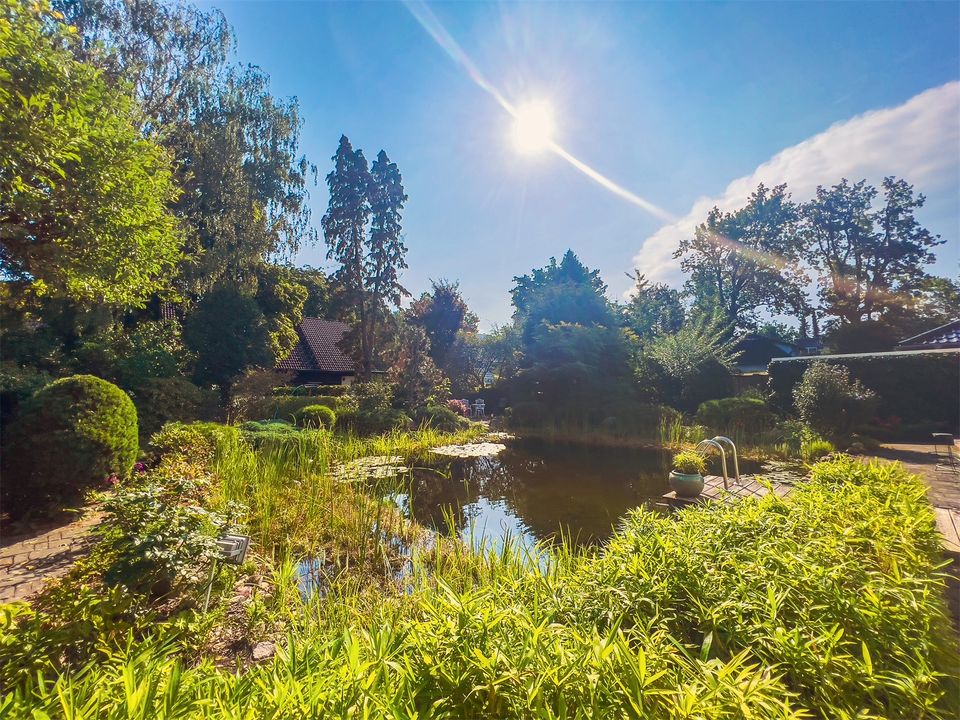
533, 127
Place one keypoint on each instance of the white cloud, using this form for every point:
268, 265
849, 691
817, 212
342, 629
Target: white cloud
918, 141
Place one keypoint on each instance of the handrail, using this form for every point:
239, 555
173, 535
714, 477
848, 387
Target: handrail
723, 459
736, 464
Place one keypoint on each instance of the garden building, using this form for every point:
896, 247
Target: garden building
317, 358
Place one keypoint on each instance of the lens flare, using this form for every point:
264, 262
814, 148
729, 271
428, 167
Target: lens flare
539, 140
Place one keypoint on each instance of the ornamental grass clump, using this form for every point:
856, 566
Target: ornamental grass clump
689, 462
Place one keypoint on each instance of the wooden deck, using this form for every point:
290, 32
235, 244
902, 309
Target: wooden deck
713, 490
948, 523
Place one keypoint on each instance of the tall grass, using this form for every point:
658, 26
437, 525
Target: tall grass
828, 603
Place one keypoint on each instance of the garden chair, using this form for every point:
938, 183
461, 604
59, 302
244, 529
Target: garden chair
949, 459
479, 408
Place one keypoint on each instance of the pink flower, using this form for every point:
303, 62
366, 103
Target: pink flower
112, 480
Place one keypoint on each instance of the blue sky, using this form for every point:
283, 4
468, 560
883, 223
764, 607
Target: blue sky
682, 104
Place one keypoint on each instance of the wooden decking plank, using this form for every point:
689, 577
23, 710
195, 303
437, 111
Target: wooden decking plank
947, 524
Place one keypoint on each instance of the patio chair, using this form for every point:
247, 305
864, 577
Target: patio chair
479, 408
947, 457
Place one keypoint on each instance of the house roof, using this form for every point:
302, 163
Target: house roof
945, 336
756, 351
318, 347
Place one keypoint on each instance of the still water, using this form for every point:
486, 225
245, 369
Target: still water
536, 490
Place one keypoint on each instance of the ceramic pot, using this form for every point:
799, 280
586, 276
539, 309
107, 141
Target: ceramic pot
686, 486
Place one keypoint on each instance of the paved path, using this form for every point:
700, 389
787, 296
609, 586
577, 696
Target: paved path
28, 561
943, 489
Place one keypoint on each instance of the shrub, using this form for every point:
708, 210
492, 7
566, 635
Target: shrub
70, 437
282, 407
630, 418
689, 462
830, 402
196, 441
438, 417
17, 384
373, 422
749, 414
316, 416
163, 400
529, 413
919, 390
459, 407
816, 449
156, 538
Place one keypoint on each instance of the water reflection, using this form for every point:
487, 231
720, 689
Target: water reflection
533, 491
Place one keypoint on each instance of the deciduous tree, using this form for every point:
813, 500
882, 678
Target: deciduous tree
747, 259
83, 195
870, 257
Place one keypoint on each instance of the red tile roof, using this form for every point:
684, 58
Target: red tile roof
318, 347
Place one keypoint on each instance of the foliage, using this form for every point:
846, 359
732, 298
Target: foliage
83, 195
235, 144
17, 384
229, 334
827, 603
252, 389
443, 314
70, 437
745, 414
476, 358
163, 400
832, 403
316, 416
744, 260
576, 372
157, 537
564, 292
281, 300
915, 390
67, 625
654, 309
131, 356
870, 258
459, 407
373, 422
689, 462
416, 379
439, 417
197, 442
689, 367
815, 449
317, 285
370, 262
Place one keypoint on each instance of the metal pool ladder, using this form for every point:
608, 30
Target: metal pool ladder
718, 442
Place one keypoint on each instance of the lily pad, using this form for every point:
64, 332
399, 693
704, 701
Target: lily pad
484, 449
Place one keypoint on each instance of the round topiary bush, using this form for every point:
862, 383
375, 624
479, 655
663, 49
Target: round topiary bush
70, 436
316, 416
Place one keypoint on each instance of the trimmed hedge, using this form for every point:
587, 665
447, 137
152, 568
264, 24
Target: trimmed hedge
917, 390
281, 407
439, 417
70, 436
316, 416
749, 414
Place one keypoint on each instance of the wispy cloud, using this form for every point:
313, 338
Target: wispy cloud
918, 141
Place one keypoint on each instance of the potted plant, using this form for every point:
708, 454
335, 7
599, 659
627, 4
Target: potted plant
686, 478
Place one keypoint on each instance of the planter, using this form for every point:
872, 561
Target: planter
686, 486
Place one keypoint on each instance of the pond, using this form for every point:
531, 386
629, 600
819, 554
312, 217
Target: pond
536, 490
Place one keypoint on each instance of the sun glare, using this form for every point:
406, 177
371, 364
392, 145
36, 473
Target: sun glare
533, 127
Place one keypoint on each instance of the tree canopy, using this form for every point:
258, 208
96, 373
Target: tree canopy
84, 197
